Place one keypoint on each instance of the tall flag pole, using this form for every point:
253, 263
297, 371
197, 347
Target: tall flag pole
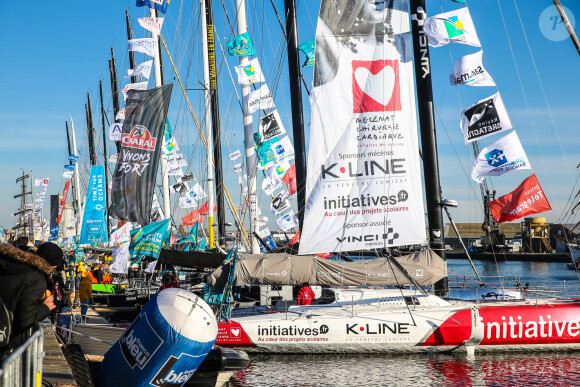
159, 82
77, 186
215, 122
296, 95
114, 91
251, 162
105, 161
132, 62
90, 130
428, 135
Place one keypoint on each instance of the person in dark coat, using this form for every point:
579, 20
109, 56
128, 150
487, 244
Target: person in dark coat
24, 281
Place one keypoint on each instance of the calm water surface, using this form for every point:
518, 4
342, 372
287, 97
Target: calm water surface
501, 369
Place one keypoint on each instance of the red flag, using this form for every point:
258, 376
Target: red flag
323, 255
527, 199
295, 238
290, 179
196, 215
63, 200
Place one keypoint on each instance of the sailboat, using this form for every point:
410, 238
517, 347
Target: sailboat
364, 193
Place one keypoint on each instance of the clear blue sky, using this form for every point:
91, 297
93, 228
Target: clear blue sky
54, 55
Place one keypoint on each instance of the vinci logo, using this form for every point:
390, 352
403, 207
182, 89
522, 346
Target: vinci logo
139, 138
495, 158
375, 86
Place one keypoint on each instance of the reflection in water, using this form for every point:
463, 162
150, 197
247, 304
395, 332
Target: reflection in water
508, 369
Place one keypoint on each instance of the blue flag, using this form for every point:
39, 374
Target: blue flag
160, 5
147, 240
73, 158
241, 45
201, 245
308, 49
69, 167
459, 1
192, 237
94, 228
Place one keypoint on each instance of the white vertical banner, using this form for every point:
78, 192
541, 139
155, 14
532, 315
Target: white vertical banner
364, 179
121, 258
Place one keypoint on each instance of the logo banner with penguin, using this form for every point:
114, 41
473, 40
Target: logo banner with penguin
133, 181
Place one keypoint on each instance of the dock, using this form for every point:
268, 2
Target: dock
55, 368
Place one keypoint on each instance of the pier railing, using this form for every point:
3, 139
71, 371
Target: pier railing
23, 367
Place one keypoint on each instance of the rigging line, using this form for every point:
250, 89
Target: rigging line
228, 17
524, 94
227, 195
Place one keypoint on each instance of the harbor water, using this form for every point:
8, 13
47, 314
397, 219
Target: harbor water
453, 369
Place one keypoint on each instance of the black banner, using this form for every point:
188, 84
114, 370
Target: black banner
141, 141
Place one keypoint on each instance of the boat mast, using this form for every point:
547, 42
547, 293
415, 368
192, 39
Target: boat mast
77, 186
105, 161
159, 82
114, 91
89, 117
249, 138
208, 132
567, 24
132, 63
428, 135
215, 122
296, 97
71, 152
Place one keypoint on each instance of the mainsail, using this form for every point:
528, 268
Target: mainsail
364, 185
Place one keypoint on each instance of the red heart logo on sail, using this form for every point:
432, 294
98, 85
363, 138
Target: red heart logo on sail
235, 331
375, 86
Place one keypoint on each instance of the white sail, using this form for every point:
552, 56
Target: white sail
364, 180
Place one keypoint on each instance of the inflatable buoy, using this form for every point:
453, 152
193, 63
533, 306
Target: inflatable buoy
164, 345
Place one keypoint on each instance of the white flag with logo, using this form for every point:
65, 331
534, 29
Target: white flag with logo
280, 202
287, 221
145, 45
488, 116
174, 170
67, 174
120, 235
235, 155
238, 167
504, 155
120, 115
260, 99
451, 27
113, 158
199, 192
469, 71
187, 202
276, 172
283, 149
133, 86
271, 126
121, 258
250, 73
142, 70
359, 194
41, 182
115, 131
152, 24
269, 185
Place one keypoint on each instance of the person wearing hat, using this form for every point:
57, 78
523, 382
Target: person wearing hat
169, 281
85, 295
24, 279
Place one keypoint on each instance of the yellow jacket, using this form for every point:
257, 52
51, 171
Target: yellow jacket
85, 288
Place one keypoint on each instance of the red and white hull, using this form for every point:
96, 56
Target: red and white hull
378, 328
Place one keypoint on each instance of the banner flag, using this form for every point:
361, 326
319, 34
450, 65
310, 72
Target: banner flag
363, 186
504, 155
290, 179
527, 199
468, 70
192, 237
62, 200
308, 49
269, 185
241, 45
174, 170
238, 167
267, 238
266, 156
115, 131
287, 221
235, 155
250, 73
152, 24
271, 126
113, 158
144, 45
133, 86
160, 5
451, 27
188, 177
73, 159
488, 116
295, 238
260, 99
147, 240
41, 193
277, 171
179, 187
121, 259
120, 235
141, 70
120, 115
133, 181
41, 182
94, 227
187, 202
280, 202
198, 191
283, 149
69, 167
68, 174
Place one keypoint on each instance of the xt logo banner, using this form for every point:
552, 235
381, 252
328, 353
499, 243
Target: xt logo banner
375, 86
495, 158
